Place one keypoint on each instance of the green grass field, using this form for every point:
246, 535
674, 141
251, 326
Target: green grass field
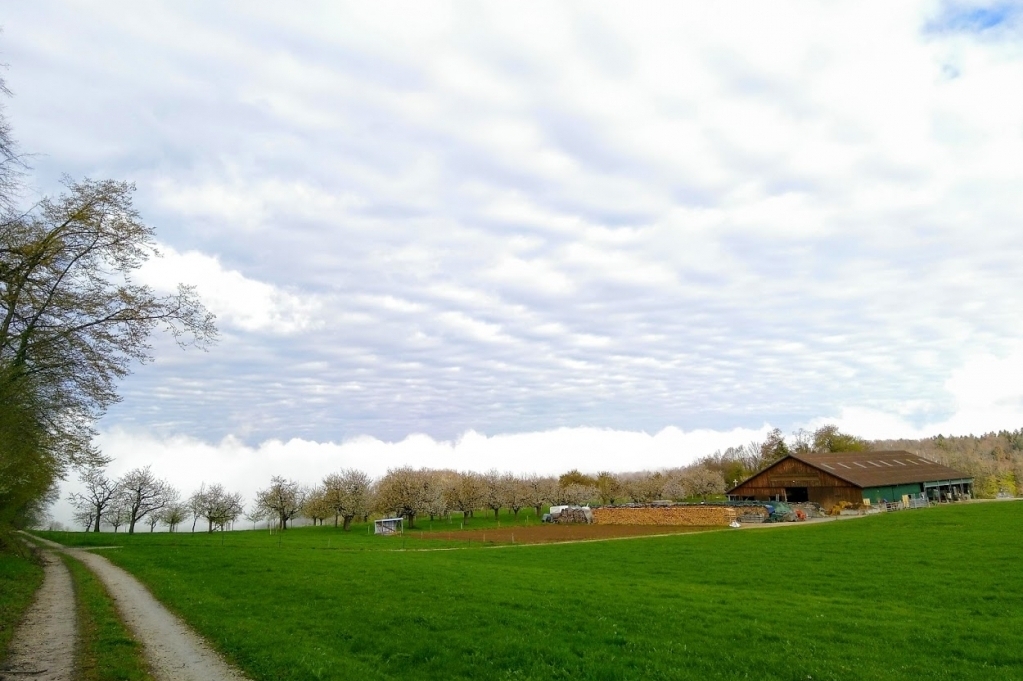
934, 594
20, 576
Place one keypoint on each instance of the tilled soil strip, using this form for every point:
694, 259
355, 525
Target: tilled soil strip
43, 647
174, 651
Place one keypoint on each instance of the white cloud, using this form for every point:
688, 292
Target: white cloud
517, 218
187, 462
237, 300
986, 394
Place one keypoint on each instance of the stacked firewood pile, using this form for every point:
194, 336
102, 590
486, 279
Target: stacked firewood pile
575, 515
664, 515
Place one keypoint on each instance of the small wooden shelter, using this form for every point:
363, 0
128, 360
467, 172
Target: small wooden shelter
853, 476
387, 526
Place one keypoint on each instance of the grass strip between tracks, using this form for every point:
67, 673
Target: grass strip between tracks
106, 651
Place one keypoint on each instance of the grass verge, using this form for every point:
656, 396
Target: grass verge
106, 651
933, 594
20, 576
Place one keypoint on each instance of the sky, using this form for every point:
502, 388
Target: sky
540, 235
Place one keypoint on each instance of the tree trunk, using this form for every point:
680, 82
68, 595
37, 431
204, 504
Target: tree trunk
98, 515
538, 509
348, 522
131, 526
210, 529
335, 522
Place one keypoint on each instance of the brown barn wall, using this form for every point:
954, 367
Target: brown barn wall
823, 488
664, 515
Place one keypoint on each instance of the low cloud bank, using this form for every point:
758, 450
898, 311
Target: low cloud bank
187, 462
985, 390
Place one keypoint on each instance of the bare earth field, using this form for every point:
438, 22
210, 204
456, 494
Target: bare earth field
544, 534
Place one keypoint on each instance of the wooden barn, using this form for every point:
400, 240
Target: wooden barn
853, 476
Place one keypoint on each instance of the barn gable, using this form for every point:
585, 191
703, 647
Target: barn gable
793, 479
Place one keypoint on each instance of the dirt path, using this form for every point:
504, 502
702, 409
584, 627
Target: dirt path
174, 651
43, 647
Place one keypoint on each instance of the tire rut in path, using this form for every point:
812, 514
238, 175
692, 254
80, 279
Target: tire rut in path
174, 651
43, 647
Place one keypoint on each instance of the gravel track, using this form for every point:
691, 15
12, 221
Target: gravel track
43, 647
174, 651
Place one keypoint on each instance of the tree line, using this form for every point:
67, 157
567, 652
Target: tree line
140, 498
72, 323
995, 461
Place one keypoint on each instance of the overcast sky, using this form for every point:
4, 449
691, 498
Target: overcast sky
624, 234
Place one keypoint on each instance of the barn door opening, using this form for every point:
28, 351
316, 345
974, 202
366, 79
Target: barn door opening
797, 494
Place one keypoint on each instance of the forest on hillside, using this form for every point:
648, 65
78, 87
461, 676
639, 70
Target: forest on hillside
994, 460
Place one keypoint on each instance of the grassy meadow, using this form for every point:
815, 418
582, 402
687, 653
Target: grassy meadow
932, 594
20, 576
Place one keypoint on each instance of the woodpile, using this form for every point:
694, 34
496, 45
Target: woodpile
702, 516
575, 515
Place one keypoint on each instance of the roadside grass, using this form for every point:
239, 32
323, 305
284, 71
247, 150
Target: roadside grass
106, 651
935, 594
20, 577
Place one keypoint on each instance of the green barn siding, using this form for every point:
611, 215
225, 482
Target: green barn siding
891, 493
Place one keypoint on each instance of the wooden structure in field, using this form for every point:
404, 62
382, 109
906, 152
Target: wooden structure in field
853, 476
387, 526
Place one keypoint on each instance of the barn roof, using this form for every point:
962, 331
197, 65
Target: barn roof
876, 469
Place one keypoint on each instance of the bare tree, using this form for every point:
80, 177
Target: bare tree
254, 515
315, 507
99, 492
675, 486
174, 515
543, 491
576, 493
516, 493
645, 487
437, 505
347, 494
466, 492
83, 519
703, 482
144, 493
218, 506
404, 491
195, 504
282, 500
610, 487
493, 497
117, 513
